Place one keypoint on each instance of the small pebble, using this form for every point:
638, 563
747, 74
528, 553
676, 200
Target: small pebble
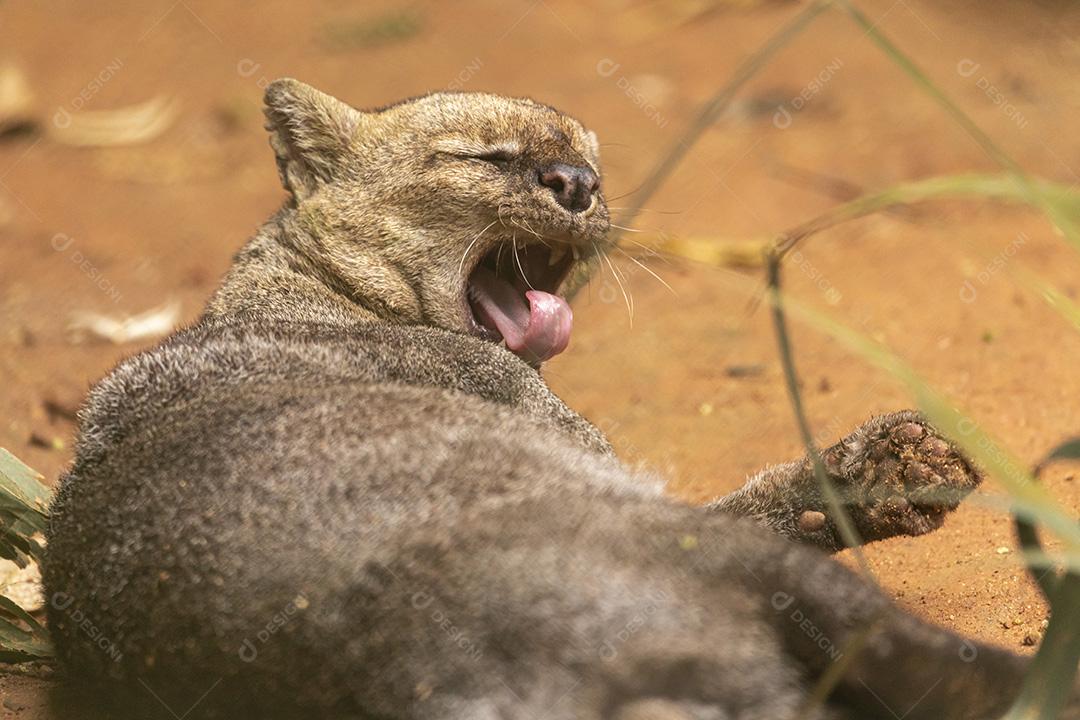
741, 371
48, 443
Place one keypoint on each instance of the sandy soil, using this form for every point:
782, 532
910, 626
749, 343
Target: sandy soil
690, 384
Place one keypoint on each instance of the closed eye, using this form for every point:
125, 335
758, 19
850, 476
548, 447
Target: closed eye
499, 156
496, 153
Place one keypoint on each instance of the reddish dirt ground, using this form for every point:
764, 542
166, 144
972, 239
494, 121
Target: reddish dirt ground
692, 384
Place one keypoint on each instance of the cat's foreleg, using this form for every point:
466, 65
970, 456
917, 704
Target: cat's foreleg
895, 475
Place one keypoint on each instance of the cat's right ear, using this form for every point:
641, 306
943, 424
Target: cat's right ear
311, 134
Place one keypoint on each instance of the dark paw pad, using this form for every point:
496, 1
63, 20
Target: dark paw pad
898, 476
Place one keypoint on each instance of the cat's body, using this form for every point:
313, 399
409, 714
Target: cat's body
329, 500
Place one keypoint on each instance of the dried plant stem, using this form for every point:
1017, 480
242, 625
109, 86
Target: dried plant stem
706, 116
844, 523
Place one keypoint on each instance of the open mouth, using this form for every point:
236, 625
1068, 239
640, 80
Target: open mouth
512, 293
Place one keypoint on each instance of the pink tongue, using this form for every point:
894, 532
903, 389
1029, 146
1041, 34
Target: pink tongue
536, 331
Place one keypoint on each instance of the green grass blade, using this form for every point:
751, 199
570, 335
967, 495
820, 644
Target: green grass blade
844, 522
23, 484
705, 118
19, 645
972, 185
1068, 450
1064, 216
1028, 499
1050, 679
11, 607
1061, 303
24, 503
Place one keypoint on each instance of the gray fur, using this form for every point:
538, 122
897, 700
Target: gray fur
327, 500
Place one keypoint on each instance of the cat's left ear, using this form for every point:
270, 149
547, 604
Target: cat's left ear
311, 132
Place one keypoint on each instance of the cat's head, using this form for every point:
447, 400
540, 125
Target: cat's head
486, 205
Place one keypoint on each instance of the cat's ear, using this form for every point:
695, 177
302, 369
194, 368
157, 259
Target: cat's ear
311, 133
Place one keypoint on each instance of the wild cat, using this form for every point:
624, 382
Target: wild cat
347, 492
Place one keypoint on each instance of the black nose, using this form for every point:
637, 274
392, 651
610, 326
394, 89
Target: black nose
573, 185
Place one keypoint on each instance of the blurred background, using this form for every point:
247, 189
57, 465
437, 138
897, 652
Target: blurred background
133, 164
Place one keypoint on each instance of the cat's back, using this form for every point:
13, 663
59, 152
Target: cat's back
396, 415
310, 448
220, 362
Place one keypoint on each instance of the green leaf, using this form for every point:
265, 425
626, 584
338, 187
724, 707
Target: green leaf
992, 186
1068, 450
24, 502
20, 645
1050, 678
1028, 498
22, 637
10, 606
1062, 213
23, 486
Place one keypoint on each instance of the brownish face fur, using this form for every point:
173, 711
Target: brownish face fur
400, 204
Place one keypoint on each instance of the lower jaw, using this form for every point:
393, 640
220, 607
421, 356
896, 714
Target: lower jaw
520, 301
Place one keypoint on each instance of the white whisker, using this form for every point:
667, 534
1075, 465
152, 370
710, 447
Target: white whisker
521, 270
646, 269
618, 280
648, 248
652, 210
539, 237
461, 265
499, 212
626, 281
520, 222
498, 258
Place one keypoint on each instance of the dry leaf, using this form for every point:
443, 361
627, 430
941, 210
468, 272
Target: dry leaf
151, 324
22, 585
16, 101
125, 126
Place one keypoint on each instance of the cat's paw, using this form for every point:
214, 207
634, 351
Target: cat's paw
896, 475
